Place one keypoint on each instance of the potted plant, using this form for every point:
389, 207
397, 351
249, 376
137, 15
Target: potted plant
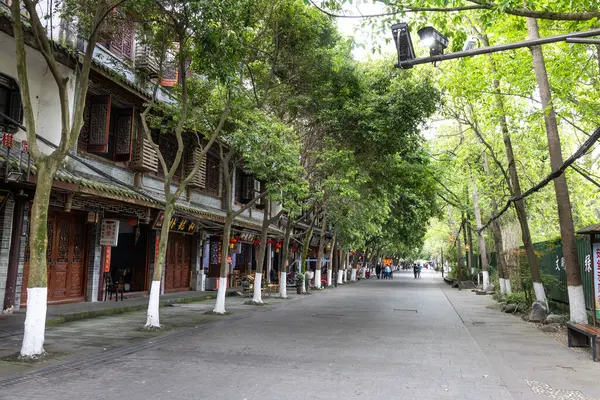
299, 283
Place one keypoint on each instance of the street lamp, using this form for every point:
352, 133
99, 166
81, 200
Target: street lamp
432, 39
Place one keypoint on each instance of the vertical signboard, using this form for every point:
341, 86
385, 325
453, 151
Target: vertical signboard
107, 253
596, 251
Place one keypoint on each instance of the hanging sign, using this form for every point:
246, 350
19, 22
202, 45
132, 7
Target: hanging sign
177, 224
596, 250
109, 232
107, 252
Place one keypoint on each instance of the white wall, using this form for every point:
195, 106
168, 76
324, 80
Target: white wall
42, 88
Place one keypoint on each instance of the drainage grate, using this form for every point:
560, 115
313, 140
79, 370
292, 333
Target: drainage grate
478, 323
405, 310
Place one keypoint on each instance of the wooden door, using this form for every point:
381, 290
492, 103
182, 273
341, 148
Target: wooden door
65, 271
178, 265
65, 257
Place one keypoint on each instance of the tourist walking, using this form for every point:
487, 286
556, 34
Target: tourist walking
388, 272
415, 267
419, 271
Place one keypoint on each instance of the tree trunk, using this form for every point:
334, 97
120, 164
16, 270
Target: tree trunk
257, 295
37, 285
330, 263
469, 233
459, 264
303, 266
497, 232
468, 249
222, 291
152, 315
341, 268
515, 189
577, 308
482, 248
285, 261
321, 252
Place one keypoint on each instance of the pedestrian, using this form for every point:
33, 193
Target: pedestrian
419, 271
415, 270
388, 271
378, 270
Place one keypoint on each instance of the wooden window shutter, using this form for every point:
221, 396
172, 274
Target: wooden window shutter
124, 135
16, 109
99, 124
193, 158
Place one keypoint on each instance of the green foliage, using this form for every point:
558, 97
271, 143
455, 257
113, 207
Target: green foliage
518, 298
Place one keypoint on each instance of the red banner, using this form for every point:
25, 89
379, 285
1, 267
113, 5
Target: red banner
107, 250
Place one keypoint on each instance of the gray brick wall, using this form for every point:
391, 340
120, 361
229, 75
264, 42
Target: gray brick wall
94, 261
22, 256
6, 219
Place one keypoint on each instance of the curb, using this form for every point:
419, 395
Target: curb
61, 319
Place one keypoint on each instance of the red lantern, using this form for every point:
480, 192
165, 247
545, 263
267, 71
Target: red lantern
25, 146
294, 249
256, 242
7, 140
232, 242
277, 246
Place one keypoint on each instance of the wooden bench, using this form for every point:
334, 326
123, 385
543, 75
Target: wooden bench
582, 335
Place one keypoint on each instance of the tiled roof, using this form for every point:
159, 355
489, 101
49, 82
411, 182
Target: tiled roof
105, 188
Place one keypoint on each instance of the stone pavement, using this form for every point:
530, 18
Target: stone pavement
12, 325
400, 339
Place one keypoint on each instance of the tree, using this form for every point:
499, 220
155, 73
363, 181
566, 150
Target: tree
177, 23
578, 312
91, 16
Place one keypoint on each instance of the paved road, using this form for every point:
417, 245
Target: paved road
400, 339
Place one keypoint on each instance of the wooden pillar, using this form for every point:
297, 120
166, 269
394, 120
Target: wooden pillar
15, 247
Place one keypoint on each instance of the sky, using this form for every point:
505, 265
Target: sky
351, 27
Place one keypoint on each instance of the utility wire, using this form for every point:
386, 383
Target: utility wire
555, 174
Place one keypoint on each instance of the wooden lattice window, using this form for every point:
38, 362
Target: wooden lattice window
119, 35
213, 175
108, 130
168, 147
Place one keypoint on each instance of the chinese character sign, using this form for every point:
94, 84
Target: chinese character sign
109, 232
596, 251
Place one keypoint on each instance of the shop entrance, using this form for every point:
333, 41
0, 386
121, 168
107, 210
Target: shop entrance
128, 259
178, 263
65, 257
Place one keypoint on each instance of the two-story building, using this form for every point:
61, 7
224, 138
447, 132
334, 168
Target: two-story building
112, 179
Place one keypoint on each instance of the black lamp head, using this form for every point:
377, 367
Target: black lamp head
432, 39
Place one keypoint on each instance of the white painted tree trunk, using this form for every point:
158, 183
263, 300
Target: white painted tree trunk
502, 286
340, 277
329, 277
220, 304
353, 275
345, 276
152, 316
540, 293
318, 278
283, 285
508, 288
364, 273
577, 310
486, 279
35, 322
257, 297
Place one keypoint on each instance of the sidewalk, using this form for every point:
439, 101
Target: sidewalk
11, 325
527, 359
